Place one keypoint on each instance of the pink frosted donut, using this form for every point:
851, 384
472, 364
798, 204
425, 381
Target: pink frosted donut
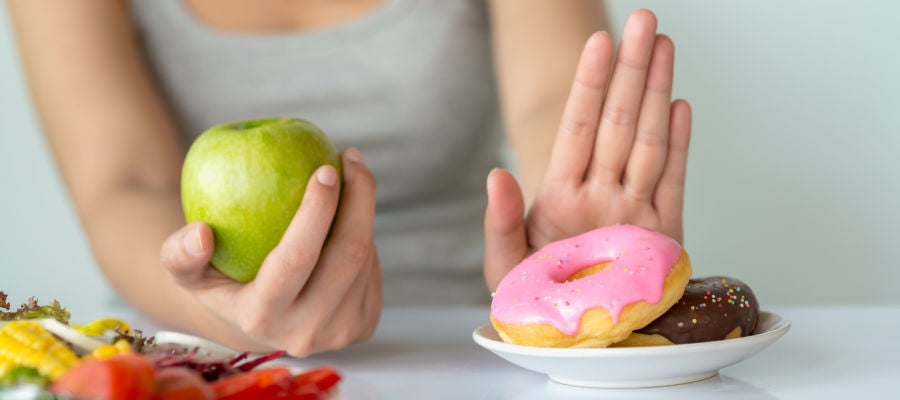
590, 290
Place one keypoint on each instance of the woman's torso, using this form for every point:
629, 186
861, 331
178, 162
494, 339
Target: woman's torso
408, 82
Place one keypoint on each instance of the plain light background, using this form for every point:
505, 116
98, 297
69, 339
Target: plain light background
793, 179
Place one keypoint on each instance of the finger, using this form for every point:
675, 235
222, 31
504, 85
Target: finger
286, 269
651, 142
186, 253
622, 105
669, 198
505, 240
350, 245
578, 127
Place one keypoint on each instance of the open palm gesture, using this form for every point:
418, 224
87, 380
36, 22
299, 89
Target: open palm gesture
619, 157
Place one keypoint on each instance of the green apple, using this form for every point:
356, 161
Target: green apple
246, 180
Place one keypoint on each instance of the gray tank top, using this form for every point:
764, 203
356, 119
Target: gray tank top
410, 84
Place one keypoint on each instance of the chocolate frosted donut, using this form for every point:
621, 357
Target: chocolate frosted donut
712, 308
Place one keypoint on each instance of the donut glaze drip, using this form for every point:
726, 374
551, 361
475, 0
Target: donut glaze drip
709, 309
537, 290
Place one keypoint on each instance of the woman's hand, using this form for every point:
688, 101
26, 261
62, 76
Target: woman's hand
619, 157
315, 291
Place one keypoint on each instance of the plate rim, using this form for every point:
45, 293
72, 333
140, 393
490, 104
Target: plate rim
780, 326
189, 340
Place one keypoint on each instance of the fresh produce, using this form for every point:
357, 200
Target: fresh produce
33, 310
133, 376
124, 376
210, 368
103, 325
123, 364
277, 382
246, 180
26, 343
120, 346
182, 384
22, 375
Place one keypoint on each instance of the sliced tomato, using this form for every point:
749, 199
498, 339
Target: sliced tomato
323, 379
277, 383
125, 376
179, 383
257, 384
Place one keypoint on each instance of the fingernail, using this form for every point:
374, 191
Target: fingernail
327, 175
192, 243
354, 155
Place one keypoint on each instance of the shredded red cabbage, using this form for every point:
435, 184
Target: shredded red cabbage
211, 368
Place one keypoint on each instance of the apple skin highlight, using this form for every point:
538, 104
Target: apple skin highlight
246, 180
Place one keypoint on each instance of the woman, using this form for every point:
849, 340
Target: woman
122, 88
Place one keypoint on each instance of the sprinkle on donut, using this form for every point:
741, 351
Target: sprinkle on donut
712, 308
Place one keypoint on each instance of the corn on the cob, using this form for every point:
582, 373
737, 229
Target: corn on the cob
121, 346
27, 343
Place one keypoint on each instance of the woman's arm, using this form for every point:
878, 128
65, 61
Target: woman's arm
120, 157
112, 138
536, 46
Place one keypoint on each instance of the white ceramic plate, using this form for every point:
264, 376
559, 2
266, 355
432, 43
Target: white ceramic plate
206, 345
629, 367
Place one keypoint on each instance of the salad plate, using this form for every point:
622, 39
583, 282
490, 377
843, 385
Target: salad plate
631, 367
190, 341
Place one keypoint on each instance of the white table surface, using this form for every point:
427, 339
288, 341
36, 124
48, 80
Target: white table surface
831, 352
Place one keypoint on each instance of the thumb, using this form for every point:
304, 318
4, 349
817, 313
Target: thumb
504, 227
186, 253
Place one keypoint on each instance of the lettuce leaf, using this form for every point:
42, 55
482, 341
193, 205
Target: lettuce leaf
33, 310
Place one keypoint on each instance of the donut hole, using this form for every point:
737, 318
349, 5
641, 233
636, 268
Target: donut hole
588, 271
